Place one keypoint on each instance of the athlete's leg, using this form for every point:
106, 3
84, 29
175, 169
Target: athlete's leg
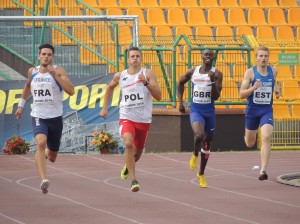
40, 160
266, 135
141, 133
250, 137
205, 151
198, 130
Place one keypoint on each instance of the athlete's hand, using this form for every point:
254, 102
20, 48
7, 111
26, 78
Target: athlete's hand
103, 113
211, 75
257, 84
51, 70
181, 108
141, 77
19, 112
277, 94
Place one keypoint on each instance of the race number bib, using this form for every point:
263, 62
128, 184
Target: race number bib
42, 92
202, 94
133, 96
262, 95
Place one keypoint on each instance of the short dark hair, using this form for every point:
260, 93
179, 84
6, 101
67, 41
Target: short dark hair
133, 48
46, 46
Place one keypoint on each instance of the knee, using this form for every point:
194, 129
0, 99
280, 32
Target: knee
199, 138
52, 159
129, 146
137, 156
41, 145
249, 143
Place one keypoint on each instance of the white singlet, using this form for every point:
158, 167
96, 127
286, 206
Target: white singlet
136, 102
201, 88
47, 95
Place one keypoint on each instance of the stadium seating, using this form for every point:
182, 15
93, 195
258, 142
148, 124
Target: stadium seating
208, 4
284, 32
128, 4
91, 3
236, 17
167, 4
284, 73
248, 4
104, 4
244, 29
294, 16
229, 91
281, 112
216, 17
183, 30
296, 111
290, 90
155, 17
267, 3
276, 17
256, 17
287, 3
139, 13
145, 4
228, 4
176, 17
196, 17
188, 4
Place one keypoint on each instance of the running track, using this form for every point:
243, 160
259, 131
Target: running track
87, 189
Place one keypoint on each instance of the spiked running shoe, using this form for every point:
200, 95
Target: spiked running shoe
44, 186
193, 162
202, 181
135, 186
124, 173
263, 175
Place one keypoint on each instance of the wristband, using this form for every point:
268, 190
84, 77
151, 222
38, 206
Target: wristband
22, 103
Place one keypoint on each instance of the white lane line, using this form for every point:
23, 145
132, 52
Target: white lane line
11, 219
235, 192
181, 203
74, 201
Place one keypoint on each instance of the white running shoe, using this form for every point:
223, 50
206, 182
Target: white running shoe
44, 186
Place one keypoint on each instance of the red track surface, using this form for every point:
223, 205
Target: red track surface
87, 189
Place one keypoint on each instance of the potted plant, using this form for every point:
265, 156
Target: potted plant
104, 142
16, 146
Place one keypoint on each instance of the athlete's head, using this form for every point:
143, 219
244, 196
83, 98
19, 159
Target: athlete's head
208, 56
46, 46
262, 56
134, 55
46, 54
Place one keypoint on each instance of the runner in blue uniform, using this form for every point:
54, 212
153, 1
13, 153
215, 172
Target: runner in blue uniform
206, 88
258, 86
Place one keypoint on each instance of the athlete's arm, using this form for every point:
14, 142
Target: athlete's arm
276, 88
62, 78
245, 90
180, 87
25, 94
108, 94
152, 85
217, 78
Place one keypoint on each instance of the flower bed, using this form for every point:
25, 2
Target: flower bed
16, 146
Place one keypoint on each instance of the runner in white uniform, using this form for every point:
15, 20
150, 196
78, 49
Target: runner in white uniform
46, 83
138, 86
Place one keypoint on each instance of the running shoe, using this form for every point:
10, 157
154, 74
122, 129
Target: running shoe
193, 162
124, 173
135, 186
202, 181
44, 186
263, 175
